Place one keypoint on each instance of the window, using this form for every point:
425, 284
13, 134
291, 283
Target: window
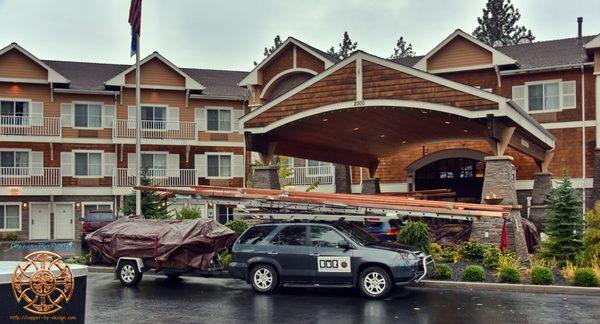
14, 163
218, 120
256, 234
10, 217
322, 236
545, 95
14, 112
88, 164
155, 163
291, 235
154, 117
87, 208
316, 168
88, 115
219, 165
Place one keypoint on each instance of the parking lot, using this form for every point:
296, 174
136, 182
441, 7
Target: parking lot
199, 300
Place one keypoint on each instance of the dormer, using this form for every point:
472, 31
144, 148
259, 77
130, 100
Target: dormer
462, 52
18, 65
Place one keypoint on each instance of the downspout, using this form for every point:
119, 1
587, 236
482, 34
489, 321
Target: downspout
240, 127
583, 136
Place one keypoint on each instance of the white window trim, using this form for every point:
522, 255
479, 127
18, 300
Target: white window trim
83, 204
88, 151
207, 108
29, 105
154, 106
28, 161
88, 103
560, 98
219, 154
18, 204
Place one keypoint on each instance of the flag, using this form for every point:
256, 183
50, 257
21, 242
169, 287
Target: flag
135, 20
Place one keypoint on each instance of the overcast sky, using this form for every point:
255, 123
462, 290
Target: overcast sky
232, 34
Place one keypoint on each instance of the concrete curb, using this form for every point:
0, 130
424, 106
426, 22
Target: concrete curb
572, 290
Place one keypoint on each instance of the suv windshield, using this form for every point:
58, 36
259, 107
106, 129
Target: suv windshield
100, 217
356, 233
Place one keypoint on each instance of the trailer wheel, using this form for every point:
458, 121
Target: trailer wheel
129, 274
264, 279
375, 282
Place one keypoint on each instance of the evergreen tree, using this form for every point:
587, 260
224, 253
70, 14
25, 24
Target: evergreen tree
269, 50
499, 22
402, 49
152, 206
346, 47
563, 223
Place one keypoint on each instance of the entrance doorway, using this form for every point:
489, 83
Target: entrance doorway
39, 224
64, 224
464, 176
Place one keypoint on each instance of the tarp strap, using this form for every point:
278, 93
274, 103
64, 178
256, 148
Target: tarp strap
156, 252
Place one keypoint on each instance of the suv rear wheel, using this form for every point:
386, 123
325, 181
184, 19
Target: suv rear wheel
264, 279
375, 282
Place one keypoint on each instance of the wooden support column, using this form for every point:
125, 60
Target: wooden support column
371, 186
267, 157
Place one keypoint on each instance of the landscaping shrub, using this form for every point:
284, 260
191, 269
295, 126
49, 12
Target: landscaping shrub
473, 251
436, 251
226, 259
509, 275
442, 272
491, 258
473, 273
508, 259
450, 254
568, 271
591, 237
585, 277
238, 226
11, 236
188, 213
415, 234
541, 276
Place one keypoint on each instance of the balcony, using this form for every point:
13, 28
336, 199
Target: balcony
30, 181
309, 175
30, 126
159, 177
176, 130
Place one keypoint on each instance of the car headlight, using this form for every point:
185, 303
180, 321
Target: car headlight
405, 256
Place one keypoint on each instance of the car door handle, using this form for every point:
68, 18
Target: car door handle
272, 252
314, 254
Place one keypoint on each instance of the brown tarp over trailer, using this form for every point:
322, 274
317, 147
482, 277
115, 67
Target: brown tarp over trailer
172, 243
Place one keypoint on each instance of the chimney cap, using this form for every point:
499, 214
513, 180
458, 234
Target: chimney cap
579, 19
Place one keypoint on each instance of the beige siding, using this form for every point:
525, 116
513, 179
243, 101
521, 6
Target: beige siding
459, 53
156, 72
14, 64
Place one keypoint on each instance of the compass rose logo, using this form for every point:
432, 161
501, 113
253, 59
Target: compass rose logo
43, 283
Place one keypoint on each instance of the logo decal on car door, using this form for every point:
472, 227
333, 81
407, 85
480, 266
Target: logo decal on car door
333, 264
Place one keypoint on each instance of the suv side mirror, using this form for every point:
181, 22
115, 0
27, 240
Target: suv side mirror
344, 245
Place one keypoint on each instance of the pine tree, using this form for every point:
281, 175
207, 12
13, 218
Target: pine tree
402, 49
346, 47
499, 23
269, 50
563, 223
152, 205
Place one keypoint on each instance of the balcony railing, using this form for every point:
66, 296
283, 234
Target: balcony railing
156, 129
30, 177
158, 177
30, 126
310, 175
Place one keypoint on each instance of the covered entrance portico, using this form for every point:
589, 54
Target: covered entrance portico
364, 109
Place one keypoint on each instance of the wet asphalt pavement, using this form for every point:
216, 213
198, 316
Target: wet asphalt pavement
200, 300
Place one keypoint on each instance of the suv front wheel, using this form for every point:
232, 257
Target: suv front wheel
375, 282
264, 279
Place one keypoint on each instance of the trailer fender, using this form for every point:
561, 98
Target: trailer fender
138, 262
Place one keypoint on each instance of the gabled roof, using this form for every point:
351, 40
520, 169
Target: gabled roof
252, 77
53, 76
594, 43
498, 58
190, 83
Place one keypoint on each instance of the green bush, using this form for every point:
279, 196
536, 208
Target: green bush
473, 251
11, 236
226, 259
585, 277
415, 234
188, 213
491, 258
509, 275
238, 226
442, 272
473, 273
436, 251
541, 276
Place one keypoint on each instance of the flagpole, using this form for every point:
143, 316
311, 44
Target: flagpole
138, 124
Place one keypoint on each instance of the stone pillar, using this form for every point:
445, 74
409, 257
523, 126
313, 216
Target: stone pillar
500, 180
342, 178
542, 184
266, 177
596, 181
370, 186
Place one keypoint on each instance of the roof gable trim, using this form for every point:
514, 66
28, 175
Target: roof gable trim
53, 75
594, 43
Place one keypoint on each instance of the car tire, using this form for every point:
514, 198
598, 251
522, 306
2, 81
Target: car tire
375, 282
129, 274
264, 279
